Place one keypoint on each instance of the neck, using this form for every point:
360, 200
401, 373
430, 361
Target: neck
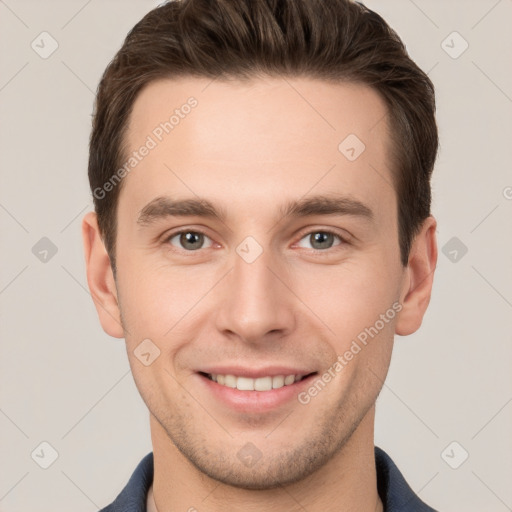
347, 482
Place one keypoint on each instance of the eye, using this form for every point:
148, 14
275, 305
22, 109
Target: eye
189, 240
320, 240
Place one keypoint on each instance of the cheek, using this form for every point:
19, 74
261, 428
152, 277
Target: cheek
159, 302
168, 304
350, 297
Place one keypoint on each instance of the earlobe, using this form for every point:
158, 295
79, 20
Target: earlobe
417, 288
100, 277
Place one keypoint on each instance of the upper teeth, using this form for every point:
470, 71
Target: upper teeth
259, 384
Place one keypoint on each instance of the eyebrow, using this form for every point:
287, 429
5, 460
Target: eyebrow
333, 204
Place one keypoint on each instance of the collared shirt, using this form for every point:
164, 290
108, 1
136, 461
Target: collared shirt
395, 493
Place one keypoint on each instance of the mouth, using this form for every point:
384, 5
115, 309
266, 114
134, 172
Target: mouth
264, 383
251, 391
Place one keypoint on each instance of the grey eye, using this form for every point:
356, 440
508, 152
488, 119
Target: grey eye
319, 240
189, 240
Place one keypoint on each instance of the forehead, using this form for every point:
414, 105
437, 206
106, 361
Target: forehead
279, 105
252, 136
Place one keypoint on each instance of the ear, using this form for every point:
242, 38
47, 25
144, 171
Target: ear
100, 277
419, 276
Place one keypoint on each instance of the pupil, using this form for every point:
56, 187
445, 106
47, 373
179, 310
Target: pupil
324, 240
189, 239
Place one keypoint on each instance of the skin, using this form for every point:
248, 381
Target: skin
249, 148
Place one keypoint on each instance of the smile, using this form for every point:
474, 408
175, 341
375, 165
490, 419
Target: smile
254, 391
259, 384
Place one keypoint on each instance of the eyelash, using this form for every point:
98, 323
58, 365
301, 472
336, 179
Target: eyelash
343, 240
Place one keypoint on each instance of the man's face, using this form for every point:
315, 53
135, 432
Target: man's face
255, 292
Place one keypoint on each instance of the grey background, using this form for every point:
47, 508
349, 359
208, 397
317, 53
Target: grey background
65, 382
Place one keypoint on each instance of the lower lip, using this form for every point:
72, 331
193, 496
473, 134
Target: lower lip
255, 401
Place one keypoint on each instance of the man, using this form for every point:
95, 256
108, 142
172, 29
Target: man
262, 230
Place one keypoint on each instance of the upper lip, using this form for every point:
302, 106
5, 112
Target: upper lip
255, 373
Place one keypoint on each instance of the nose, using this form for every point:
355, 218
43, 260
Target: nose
256, 305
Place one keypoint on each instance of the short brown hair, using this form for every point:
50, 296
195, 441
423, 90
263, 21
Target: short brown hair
333, 40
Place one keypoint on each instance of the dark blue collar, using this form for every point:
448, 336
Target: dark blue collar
394, 491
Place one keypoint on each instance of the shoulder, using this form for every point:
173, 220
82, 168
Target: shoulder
394, 491
134, 495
